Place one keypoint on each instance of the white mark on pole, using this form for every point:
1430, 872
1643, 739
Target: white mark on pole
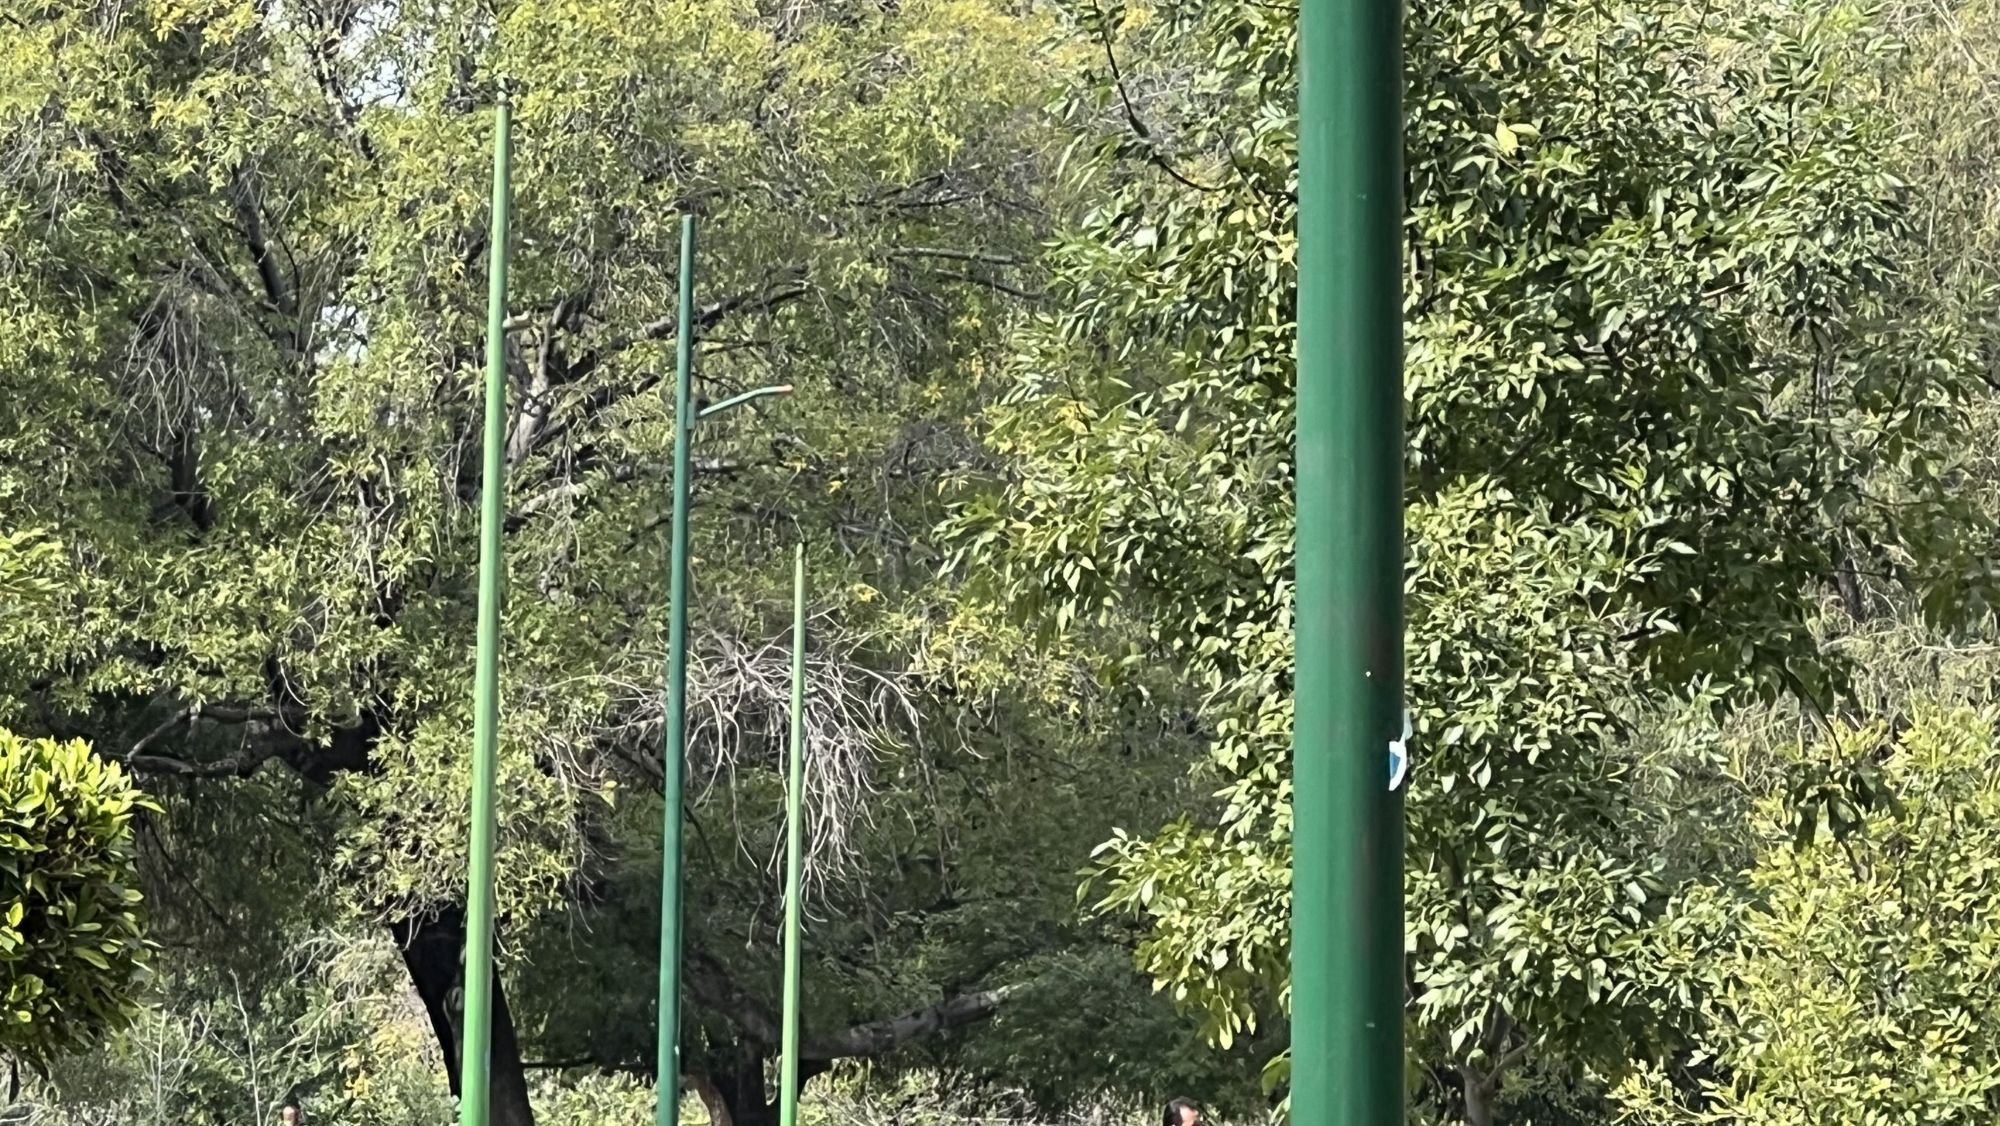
1399, 756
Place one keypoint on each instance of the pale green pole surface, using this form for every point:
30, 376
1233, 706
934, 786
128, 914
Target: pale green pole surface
673, 754
475, 1064
795, 804
1347, 878
739, 400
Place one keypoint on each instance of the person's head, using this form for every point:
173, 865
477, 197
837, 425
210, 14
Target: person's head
290, 1115
1183, 1112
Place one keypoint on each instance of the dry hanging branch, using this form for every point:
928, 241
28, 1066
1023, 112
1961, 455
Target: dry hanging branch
739, 701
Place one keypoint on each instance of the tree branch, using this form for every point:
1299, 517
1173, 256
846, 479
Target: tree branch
570, 1063
235, 766
250, 214
787, 286
277, 738
1132, 118
713, 987
580, 490
989, 283
983, 257
884, 1036
220, 713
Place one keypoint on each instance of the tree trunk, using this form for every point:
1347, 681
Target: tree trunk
432, 949
1847, 580
1479, 1090
736, 1096
741, 1091
713, 1100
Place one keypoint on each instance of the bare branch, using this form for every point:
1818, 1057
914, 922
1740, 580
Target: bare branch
578, 491
713, 985
1132, 118
989, 283
739, 697
531, 416
235, 766
220, 713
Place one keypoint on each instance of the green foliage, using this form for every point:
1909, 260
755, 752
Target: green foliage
24, 557
1943, 92
73, 952
1663, 362
29, 584
1847, 978
964, 881
331, 1026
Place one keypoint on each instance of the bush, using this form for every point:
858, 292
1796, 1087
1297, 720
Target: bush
72, 950
1851, 980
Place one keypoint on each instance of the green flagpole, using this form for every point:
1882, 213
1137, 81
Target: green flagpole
673, 749
475, 1065
795, 789
673, 753
1347, 879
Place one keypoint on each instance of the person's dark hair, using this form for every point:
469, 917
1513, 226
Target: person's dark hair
1174, 1108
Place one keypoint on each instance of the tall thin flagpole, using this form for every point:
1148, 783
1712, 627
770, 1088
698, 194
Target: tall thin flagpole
795, 789
474, 1107
673, 752
1347, 879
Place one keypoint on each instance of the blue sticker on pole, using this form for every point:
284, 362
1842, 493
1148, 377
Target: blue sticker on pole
1399, 757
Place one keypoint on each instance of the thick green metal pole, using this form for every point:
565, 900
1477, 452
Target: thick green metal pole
1347, 879
673, 752
795, 804
475, 1064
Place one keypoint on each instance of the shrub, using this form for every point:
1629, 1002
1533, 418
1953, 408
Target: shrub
73, 955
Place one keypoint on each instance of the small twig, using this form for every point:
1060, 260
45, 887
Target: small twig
1132, 113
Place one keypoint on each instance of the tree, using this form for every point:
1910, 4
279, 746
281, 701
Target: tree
73, 953
1667, 384
1843, 980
